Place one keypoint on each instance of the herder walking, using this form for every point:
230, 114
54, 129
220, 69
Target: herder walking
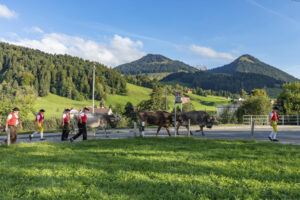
12, 121
81, 125
65, 125
39, 119
274, 121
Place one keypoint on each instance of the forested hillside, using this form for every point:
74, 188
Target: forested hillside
250, 64
233, 83
24, 71
154, 64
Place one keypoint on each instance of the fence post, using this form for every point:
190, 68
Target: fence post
8, 136
282, 119
251, 120
189, 128
252, 130
134, 127
268, 120
297, 120
143, 129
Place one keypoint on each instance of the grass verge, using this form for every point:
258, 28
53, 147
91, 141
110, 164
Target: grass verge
150, 168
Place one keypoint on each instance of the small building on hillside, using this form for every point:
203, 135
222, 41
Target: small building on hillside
222, 108
100, 110
240, 101
190, 92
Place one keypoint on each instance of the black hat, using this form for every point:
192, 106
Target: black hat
42, 110
16, 109
67, 109
85, 108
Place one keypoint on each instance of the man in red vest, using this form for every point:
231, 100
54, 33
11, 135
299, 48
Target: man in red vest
39, 119
81, 125
65, 125
274, 121
12, 121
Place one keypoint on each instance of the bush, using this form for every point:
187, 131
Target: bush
48, 124
254, 105
228, 117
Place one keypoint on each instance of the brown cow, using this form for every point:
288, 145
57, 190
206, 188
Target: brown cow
160, 118
200, 118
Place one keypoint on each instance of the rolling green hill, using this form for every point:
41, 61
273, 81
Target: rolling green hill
154, 64
54, 104
249, 64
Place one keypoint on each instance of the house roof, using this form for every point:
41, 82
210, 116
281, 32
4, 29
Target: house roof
98, 109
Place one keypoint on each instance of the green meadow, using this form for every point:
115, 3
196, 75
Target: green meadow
150, 168
54, 105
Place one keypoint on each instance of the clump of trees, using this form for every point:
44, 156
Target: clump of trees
258, 103
25, 103
156, 101
289, 98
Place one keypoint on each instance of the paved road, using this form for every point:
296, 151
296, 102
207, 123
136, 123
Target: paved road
286, 135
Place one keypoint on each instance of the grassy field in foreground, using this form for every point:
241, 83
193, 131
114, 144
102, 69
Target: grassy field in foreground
54, 105
150, 168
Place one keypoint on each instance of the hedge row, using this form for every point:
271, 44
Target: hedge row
48, 124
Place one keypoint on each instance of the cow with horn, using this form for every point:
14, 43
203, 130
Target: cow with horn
159, 118
200, 118
96, 120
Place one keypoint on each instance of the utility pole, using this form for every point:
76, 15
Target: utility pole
166, 93
93, 88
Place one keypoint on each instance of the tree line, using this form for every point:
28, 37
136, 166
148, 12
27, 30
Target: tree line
226, 82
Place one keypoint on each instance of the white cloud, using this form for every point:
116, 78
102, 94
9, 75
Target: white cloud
37, 29
6, 13
117, 51
207, 52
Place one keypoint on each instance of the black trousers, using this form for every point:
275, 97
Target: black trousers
82, 130
65, 131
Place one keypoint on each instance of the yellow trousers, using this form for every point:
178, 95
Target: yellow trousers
40, 128
274, 125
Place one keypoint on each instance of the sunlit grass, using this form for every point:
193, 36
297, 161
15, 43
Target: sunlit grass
150, 168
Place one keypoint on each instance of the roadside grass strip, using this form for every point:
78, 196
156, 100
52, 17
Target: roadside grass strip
150, 168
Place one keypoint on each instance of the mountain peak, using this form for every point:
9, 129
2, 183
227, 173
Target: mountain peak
149, 58
247, 58
154, 63
249, 64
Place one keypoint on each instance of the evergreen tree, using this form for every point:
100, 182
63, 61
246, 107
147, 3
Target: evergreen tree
129, 112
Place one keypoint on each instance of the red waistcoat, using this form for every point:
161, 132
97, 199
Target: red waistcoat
13, 120
83, 118
41, 118
67, 118
274, 117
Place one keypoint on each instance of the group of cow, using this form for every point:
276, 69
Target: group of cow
158, 118
165, 119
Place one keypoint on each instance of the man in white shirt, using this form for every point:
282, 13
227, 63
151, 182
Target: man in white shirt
12, 121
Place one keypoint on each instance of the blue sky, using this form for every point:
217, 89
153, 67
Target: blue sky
197, 32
